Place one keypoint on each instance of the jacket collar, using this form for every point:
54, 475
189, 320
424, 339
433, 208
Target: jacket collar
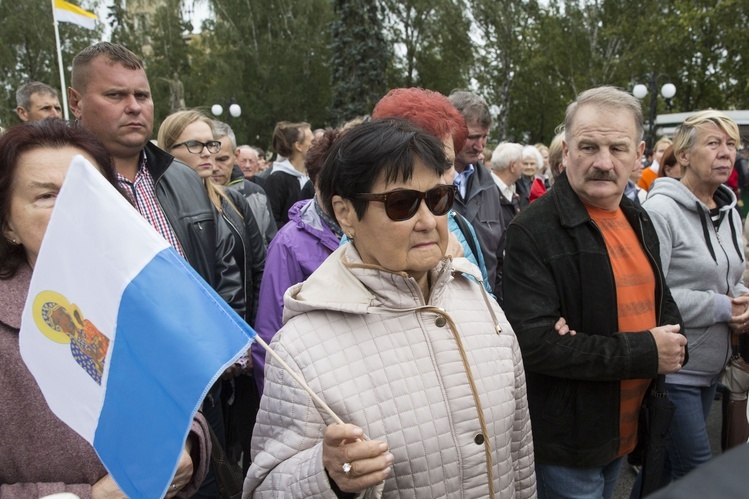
571, 210
344, 283
157, 161
480, 180
236, 174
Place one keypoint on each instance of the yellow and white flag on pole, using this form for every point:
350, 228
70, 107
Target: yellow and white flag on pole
68, 13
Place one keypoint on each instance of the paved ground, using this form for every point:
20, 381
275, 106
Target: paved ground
627, 476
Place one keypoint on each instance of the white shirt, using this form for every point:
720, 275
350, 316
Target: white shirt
508, 191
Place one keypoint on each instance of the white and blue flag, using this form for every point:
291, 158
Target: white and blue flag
122, 336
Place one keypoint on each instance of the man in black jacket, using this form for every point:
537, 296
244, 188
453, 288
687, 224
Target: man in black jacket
585, 253
111, 96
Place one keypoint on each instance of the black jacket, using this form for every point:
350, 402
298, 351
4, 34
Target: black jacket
556, 264
283, 191
206, 240
250, 249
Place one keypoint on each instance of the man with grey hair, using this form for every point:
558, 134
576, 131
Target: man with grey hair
507, 169
227, 172
478, 195
36, 101
587, 253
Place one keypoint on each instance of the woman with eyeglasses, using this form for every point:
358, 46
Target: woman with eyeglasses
415, 358
189, 136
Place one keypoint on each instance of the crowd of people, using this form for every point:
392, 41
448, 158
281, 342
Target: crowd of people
476, 323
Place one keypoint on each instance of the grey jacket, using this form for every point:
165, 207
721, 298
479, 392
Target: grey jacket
482, 208
703, 267
435, 380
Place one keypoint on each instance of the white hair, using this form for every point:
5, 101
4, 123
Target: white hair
504, 154
531, 151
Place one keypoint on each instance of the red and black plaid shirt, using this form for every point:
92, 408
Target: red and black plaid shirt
143, 196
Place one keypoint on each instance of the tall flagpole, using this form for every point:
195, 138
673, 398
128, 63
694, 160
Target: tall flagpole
63, 88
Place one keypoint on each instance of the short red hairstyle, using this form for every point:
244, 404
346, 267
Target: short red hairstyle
428, 110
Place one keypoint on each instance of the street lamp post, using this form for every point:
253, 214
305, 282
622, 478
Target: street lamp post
233, 110
667, 92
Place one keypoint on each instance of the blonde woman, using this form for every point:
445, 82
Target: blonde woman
703, 262
189, 136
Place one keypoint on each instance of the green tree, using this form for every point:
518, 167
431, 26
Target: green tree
272, 57
433, 48
27, 51
503, 47
359, 59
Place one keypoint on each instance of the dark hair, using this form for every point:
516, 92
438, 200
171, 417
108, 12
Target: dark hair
114, 53
388, 146
318, 153
284, 136
430, 111
668, 160
25, 137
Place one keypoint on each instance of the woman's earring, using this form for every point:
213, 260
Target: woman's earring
350, 237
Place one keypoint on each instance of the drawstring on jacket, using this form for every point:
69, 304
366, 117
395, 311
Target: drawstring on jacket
705, 232
735, 239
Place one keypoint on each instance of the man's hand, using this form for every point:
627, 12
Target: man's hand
562, 328
671, 348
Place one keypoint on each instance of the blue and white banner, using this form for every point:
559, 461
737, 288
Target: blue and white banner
123, 337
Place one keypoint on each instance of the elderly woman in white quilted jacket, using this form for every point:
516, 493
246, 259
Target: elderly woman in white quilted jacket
413, 356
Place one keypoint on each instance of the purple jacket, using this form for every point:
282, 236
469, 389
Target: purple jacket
301, 246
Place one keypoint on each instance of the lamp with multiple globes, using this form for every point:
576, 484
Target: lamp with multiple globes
667, 92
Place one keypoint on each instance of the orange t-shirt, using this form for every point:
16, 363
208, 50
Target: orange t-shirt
635, 293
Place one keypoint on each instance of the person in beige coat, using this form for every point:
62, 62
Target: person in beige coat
409, 352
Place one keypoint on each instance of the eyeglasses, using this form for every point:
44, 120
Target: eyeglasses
403, 204
196, 146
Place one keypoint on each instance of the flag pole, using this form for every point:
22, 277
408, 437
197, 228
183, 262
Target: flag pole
63, 88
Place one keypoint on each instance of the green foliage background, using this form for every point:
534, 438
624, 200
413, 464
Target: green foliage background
326, 61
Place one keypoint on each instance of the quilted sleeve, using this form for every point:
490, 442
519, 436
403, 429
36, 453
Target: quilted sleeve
522, 438
287, 440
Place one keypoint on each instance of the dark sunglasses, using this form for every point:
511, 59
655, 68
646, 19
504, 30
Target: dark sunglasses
403, 204
196, 146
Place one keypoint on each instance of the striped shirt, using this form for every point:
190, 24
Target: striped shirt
635, 293
141, 192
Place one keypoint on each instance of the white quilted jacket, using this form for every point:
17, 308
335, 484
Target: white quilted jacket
434, 380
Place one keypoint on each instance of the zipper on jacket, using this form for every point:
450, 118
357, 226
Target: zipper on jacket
728, 262
247, 305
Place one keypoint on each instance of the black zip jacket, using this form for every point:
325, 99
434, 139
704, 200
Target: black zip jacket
250, 248
556, 264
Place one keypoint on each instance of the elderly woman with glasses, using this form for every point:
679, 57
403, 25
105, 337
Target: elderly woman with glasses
414, 357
